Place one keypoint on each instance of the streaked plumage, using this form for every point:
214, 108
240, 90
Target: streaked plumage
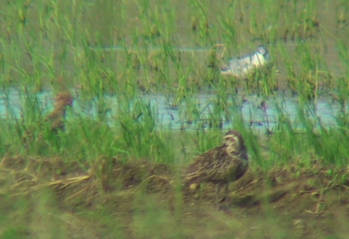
220, 165
57, 116
55, 120
243, 66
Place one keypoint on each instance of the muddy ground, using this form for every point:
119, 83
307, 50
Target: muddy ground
44, 197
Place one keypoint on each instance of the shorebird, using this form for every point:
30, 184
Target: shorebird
57, 116
34, 133
243, 66
220, 165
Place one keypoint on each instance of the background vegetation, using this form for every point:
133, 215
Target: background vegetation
110, 55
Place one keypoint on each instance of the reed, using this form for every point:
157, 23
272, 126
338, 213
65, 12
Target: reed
113, 56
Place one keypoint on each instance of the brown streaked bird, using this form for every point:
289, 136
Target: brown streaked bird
221, 165
62, 100
55, 118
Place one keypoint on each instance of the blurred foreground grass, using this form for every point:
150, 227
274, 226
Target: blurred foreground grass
126, 49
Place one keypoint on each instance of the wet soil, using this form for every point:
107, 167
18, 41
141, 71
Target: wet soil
138, 199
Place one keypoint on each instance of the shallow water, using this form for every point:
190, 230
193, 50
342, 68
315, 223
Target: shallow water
183, 116
120, 27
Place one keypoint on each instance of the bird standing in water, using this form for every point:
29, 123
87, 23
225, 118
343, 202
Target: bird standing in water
57, 116
54, 120
221, 165
243, 66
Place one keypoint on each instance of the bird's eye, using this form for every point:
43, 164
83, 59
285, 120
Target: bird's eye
231, 140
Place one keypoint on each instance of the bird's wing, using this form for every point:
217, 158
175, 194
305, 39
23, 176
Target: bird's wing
241, 63
235, 168
201, 168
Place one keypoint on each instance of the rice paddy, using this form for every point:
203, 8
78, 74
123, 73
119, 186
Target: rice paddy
149, 97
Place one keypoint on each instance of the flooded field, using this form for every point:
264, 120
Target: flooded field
198, 112
147, 92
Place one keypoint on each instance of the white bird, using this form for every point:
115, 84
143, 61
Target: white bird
243, 66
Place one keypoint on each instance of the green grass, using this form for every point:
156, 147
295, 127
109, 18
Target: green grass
58, 45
